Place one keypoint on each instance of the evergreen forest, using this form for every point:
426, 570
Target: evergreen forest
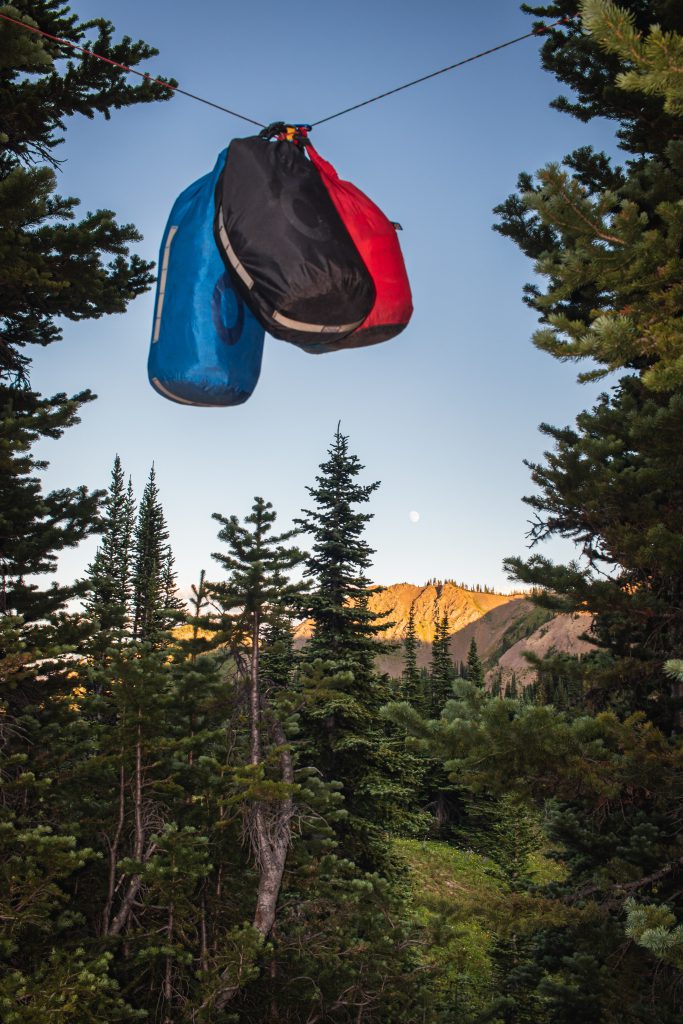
203, 820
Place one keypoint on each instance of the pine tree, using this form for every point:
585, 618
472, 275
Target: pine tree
442, 673
344, 629
154, 598
52, 267
342, 689
108, 575
475, 669
655, 58
36, 526
258, 587
411, 677
606, 242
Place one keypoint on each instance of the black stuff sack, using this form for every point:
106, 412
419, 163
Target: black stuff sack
286, 246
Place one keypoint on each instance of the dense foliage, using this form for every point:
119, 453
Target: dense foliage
603, 763
203, 820
606, 243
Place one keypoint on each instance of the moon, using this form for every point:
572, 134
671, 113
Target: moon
414, 516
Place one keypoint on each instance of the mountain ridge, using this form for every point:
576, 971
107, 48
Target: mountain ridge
502, 625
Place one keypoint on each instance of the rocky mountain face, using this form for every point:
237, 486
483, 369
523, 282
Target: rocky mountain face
562, 634
503, 625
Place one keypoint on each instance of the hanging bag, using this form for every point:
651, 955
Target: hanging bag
289, 253
375, 237
206, 345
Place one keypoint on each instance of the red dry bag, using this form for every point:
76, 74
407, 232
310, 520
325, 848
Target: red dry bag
375, 237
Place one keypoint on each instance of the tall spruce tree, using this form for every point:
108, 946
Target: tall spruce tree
154, 598
343, 689
607, 243
410, 689
52, 267
109, 573
475, 669
344, 629
606, 240
259, 591
442, 672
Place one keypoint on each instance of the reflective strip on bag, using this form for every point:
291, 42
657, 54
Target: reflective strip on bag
296, 325
176, 398
231, 254
162, 282
279, 318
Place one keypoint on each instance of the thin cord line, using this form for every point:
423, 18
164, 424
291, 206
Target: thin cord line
442, 71
130, 71
226, 110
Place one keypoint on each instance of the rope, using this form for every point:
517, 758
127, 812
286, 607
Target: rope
442, 71
539, 31
130, 71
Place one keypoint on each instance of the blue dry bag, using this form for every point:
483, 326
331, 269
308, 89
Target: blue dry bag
206, 345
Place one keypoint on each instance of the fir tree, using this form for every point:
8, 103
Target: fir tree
259, 565
344, 629
601, 237
108, 575
36, 526
612, 484
52, 267
442, 674
154, 597
475, 669
411, 676
342, 689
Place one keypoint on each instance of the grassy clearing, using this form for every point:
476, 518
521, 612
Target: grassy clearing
463, 905
451, 891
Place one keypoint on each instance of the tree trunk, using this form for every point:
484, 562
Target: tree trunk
121, 918
273, 838
168, 974
272, 824
114, 851
204, 948
255, 695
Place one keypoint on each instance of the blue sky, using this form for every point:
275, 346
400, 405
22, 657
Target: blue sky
444, 414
